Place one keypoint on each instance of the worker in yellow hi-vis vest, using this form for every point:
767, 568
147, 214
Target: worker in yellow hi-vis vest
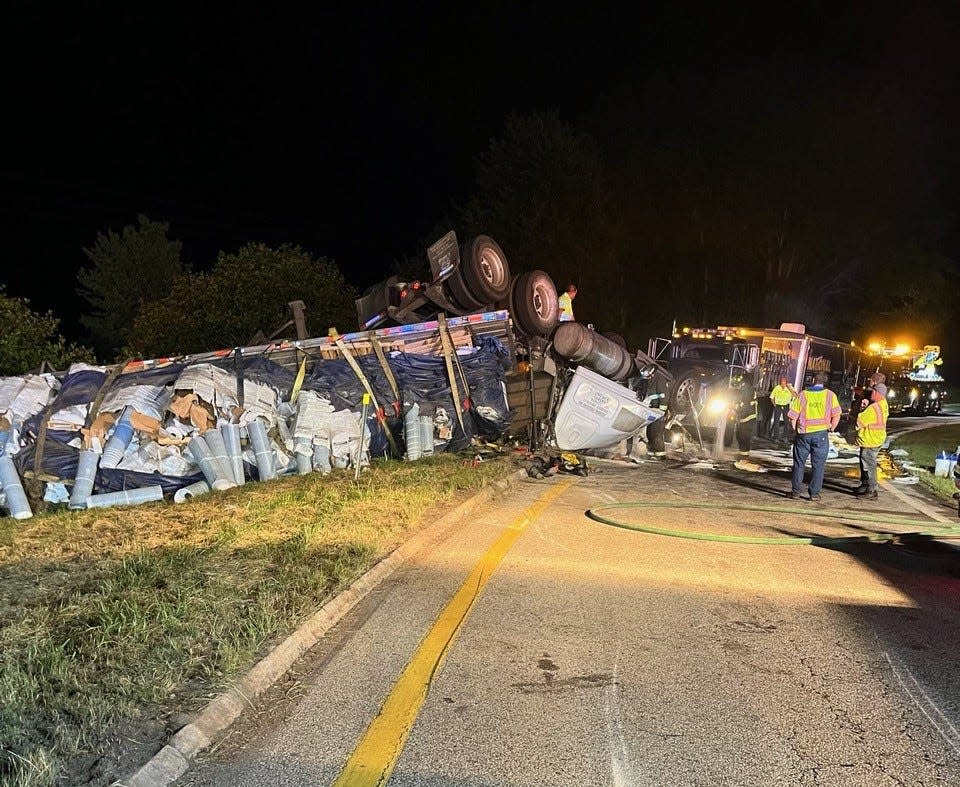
814, 414
782, 394
566, 303
871, 434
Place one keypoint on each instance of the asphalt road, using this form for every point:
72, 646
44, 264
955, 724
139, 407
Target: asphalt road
601, 656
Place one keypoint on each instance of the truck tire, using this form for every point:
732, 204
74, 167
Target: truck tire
679, 401
485, 269
462, 296
534, 303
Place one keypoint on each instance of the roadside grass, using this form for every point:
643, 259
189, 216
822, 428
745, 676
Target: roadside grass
115, 623
923, 446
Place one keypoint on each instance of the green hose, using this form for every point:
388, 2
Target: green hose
927, 529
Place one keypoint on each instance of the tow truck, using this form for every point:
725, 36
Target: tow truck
914, 383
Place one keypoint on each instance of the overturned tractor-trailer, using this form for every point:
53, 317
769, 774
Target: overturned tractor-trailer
437, 373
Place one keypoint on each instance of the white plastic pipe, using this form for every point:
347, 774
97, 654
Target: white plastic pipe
321, 458
119, 441
128, 497
17, 503
411, 432
303, 454
195, 489
426, 435
83, 483
210, 468
266, 466
231, 438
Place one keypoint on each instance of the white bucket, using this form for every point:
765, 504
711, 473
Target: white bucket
942, 468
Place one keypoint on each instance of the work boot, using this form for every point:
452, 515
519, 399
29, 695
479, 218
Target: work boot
869, 495
816, 498
861, 490
793, 495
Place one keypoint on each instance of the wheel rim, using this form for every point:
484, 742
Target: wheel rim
684, 394
538, 304
492, 267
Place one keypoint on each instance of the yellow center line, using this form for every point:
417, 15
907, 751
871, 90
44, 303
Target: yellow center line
377, 753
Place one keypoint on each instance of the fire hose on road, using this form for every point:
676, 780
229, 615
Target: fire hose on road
926, 529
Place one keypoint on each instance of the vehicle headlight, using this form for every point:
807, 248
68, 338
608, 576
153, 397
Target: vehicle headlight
891, 394
934, 394
718, 405
914, 394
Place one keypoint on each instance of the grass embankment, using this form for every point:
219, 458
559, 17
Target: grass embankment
923, 446
114, 623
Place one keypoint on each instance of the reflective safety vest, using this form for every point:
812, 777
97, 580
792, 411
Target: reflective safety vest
814, 410
781, 396
566, 307
872, 425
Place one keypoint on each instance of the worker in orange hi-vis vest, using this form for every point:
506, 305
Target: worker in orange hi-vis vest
871, 435
813, 414
566, 303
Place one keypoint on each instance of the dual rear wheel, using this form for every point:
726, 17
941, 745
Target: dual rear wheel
483, 280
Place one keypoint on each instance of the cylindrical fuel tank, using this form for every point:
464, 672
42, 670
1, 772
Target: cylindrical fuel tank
579, 344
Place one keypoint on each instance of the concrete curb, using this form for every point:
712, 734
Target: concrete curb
173, 760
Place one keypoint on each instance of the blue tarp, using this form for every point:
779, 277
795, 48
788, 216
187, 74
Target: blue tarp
421, 378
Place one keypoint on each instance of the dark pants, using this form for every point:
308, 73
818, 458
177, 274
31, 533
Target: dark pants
815, 446
744, 434
781, 424
868, 467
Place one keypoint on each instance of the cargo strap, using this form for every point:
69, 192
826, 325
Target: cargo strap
298, 382
378, 350
381, 418
447, 344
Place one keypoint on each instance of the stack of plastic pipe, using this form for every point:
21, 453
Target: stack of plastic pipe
83, 483
17, 503
119, 441
231, 437
128, 497
411, 432
209, 466
218, 448
266, 467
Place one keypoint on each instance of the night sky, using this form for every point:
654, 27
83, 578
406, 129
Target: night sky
352, 130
